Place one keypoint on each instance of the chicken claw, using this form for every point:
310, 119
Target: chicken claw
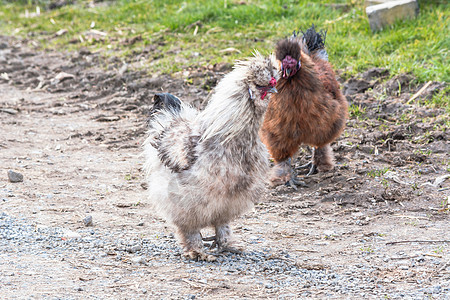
294, 182
312, 171
200, 256
193, 246
235, 249
305, 166
282, 173
311, 166
224, 240
209, 238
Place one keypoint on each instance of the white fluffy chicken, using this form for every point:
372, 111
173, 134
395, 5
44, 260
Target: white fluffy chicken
206, 168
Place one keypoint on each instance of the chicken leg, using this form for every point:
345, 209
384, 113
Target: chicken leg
224, 240
282, 173
192, 245
322, 160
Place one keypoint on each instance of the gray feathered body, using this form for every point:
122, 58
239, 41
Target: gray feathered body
206, 168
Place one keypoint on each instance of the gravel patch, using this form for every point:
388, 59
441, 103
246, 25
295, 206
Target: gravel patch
277, 273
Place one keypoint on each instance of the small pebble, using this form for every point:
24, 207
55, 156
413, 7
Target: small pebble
138, 260
14, 176
328, 233
69, 234
437, 289
88, 221
134, 249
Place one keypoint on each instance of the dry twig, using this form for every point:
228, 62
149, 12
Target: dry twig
419, 92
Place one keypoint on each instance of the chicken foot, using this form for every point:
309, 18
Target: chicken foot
322, 160
223, 240
192, 245
282, 173
312, 168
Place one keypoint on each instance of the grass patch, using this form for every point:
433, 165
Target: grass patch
189, 34
440, 99
356, 111
377, 172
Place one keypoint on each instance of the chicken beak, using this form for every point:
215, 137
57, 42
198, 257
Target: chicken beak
273, 90
287, 72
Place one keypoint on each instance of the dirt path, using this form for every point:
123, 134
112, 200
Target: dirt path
78, 149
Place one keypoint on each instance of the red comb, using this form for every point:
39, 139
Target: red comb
273, 82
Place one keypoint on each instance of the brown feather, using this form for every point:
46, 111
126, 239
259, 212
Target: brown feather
308, 109
285, 47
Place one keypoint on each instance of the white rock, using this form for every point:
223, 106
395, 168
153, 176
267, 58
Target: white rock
329, 233
63, 76
375, 2
138, 260
386, 14
69, 234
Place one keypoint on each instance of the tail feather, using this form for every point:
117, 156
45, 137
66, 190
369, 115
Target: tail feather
165, 101
315, 41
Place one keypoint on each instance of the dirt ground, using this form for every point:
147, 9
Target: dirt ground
73, 124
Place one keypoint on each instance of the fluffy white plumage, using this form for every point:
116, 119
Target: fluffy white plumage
206, 168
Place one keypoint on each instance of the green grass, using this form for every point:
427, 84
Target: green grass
377, 172
420, 46
356, 111
440, 99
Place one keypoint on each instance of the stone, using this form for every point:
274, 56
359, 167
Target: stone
88, 221
69, 234
134, 249
14, 176
375, 2
138, 260
61, 76
387, 13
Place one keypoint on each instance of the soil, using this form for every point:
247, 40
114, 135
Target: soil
79, 224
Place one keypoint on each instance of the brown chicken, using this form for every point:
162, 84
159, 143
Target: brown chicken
308, 109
